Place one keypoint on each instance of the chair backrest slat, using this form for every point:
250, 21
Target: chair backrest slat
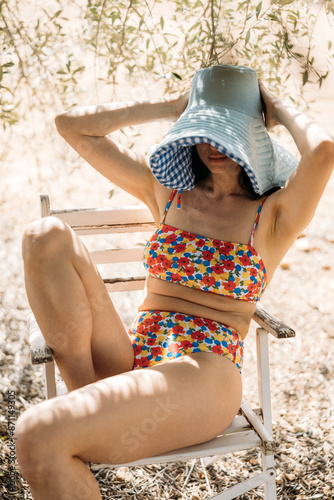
115, 255
114, 220
127, 215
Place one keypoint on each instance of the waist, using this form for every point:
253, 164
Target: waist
166, 296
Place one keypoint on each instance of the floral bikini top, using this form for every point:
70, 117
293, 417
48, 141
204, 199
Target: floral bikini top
235, 270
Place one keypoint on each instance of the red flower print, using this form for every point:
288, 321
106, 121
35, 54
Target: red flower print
150, 261
150, 341
197, 335
189, 270
180, 247
147, 322
155, 246
218, 269
229, 265
229, 285
211, 325
187, 236
156, 318
198, 321
217, 349
200, 243
245, 260
170, 238
161, 259
226, 248
140, 329
176, 277
207, 255
186, 344
180, 317
232, 349
158, 269
155, 328
208, 280
173, 348
156, 351
253, 271
143, 362
177, 329
166, 263
137, 349
183, 261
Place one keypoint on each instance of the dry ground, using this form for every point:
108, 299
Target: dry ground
302, 369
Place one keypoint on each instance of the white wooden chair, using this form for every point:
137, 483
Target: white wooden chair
251, 428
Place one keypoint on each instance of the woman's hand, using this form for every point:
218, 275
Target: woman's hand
270, 104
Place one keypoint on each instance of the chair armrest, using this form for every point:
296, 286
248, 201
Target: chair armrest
40, 352
272, 324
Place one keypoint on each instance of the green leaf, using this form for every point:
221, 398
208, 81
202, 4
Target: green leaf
177, 75
247, 37
305, 77
80, 69
162, 22
273, 17
258, 9
282, 3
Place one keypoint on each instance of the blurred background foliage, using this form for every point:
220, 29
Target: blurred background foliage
52, 51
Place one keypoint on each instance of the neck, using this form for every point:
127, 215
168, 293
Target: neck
223, 184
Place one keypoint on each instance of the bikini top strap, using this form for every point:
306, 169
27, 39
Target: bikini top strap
171, 198
251, 241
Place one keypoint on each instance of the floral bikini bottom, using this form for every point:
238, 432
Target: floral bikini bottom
159, 336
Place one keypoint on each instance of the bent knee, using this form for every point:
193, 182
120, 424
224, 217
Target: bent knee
31, 445
45, 237
38, 443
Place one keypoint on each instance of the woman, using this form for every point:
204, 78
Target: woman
143, 393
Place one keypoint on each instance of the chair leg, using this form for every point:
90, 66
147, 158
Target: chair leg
263, 376
270, 486
265, 403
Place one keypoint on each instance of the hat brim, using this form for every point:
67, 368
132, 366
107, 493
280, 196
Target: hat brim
242, 137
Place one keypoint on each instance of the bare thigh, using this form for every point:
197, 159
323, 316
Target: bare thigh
139, 413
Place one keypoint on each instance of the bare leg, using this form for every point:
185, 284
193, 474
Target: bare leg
123, 418
72, 306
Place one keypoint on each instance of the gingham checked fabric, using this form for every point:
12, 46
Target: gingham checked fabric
171, 164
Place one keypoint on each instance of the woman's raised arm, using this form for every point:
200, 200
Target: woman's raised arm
86, 130
296, 203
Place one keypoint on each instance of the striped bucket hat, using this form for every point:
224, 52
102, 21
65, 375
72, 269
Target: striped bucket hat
224, 110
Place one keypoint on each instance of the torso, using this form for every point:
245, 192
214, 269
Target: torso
230, 219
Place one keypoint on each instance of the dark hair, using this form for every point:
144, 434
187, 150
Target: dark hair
201, 172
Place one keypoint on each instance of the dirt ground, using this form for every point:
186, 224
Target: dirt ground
302, 368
